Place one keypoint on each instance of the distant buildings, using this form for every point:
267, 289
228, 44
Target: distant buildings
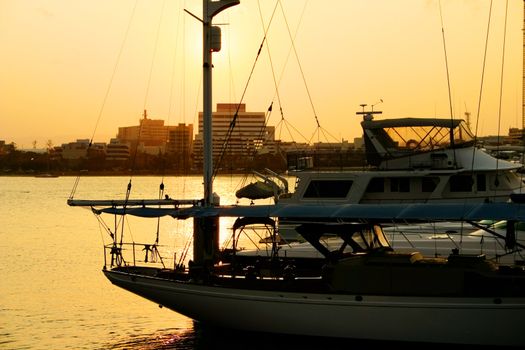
75, 150
150, 136
117, 151
249, 136
241, 139
3, 148
516, 134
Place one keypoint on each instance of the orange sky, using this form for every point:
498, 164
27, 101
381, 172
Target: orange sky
67, 64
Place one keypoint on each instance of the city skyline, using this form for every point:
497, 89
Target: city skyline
73, 73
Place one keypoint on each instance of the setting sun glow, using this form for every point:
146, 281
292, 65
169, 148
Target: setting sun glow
68, 64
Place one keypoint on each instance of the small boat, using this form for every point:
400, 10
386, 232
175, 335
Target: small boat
361, 288
46, 175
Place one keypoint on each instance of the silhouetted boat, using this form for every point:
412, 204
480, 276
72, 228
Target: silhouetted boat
46, 175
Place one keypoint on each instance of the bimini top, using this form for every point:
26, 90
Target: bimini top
394, 138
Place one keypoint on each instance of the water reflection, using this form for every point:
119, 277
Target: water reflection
169, 338
202, 337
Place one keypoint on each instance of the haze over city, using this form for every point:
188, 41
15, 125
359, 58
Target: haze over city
79, 69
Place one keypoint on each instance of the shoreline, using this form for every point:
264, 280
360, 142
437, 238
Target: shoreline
110, 173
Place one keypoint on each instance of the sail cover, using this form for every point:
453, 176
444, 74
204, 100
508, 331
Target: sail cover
361, 212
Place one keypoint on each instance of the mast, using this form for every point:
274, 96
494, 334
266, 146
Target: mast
523, 81
211, 43
206, 229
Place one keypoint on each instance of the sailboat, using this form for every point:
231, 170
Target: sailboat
363, 289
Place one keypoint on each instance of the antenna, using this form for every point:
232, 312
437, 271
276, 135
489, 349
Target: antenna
369, 115
378, 102
194, 16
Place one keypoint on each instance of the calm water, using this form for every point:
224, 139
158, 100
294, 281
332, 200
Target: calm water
53, 294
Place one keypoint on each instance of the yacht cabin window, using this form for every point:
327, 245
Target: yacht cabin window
461, 183
429, 184
376, 185
328, 189
481, 182
400, 184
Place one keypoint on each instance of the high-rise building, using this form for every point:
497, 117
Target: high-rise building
239, 139
180, 146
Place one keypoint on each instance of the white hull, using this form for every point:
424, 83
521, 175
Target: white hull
484, 321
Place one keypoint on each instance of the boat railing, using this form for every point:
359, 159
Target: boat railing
138, 255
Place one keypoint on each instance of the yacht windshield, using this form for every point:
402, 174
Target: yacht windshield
391, 138
428, 137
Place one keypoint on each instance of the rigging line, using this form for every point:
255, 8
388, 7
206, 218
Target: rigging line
102, 223
275, 80
481, 87
174, 65
108, 89
119, 55
231, 81
268, 114
448, 84
288, 125
276, 85
232, 124
482, 81
161, 195
300, 66
262, 131
286, 64
446, 61
321, 131
185, 250
135, 155
231, 94
155, 48
117, 222
75, 185
501, 78
234, 119
102, 237
328, 135
128, 192
197, 101
172, 80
